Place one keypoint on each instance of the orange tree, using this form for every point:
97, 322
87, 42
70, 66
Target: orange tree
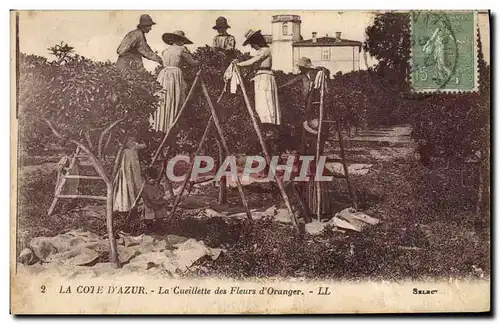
231, 109
86, 104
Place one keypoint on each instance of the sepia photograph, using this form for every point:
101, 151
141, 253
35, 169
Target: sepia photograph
250, 162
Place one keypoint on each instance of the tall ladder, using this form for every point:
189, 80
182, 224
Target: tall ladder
320, 140
214, 122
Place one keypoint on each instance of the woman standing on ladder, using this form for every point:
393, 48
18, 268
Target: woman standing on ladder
171, 79
311, 77
266, 90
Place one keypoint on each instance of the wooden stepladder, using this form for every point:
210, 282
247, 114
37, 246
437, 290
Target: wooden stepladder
213, 121
320, 140
63, 177
256, 125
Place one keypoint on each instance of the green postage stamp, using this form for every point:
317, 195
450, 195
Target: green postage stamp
444, 51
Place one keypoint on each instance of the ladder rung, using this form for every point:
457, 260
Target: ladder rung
82, 197
72, 176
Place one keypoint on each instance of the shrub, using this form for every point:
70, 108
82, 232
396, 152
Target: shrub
451, 127
233, 114
87, 104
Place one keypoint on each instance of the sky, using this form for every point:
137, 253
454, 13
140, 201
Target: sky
97, 34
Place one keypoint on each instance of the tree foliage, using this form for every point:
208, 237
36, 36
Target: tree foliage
81, 98
88, 104
449, 126
63, 52
388, 40
231, 109
83, 95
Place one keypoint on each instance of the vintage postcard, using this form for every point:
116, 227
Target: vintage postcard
250, 162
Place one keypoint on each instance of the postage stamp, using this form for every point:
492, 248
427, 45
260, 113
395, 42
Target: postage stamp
444, 51
248, 162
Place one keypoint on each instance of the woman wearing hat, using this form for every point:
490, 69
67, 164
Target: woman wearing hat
307, 76
311, 77
223, 39
311, 82
171, 79
266, 90
134, 47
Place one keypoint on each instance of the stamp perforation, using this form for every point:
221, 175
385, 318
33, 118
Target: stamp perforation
475, 60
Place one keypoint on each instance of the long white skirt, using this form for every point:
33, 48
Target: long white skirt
172, 97
266, 98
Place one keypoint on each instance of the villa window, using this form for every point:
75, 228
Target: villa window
325, 54
285, 29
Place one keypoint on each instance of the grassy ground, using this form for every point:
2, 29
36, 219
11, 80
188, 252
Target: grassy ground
429, 229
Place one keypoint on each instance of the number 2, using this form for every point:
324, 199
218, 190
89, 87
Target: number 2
42, 288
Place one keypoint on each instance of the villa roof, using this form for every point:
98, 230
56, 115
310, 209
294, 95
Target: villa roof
326, 41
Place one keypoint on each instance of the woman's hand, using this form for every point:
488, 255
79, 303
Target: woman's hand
235, 61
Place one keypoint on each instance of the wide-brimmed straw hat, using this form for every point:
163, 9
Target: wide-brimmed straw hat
250, 34
176, 35
146, 20
311, 126
305, 62
221, 22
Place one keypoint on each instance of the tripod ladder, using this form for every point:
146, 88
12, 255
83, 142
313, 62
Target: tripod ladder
320, 147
